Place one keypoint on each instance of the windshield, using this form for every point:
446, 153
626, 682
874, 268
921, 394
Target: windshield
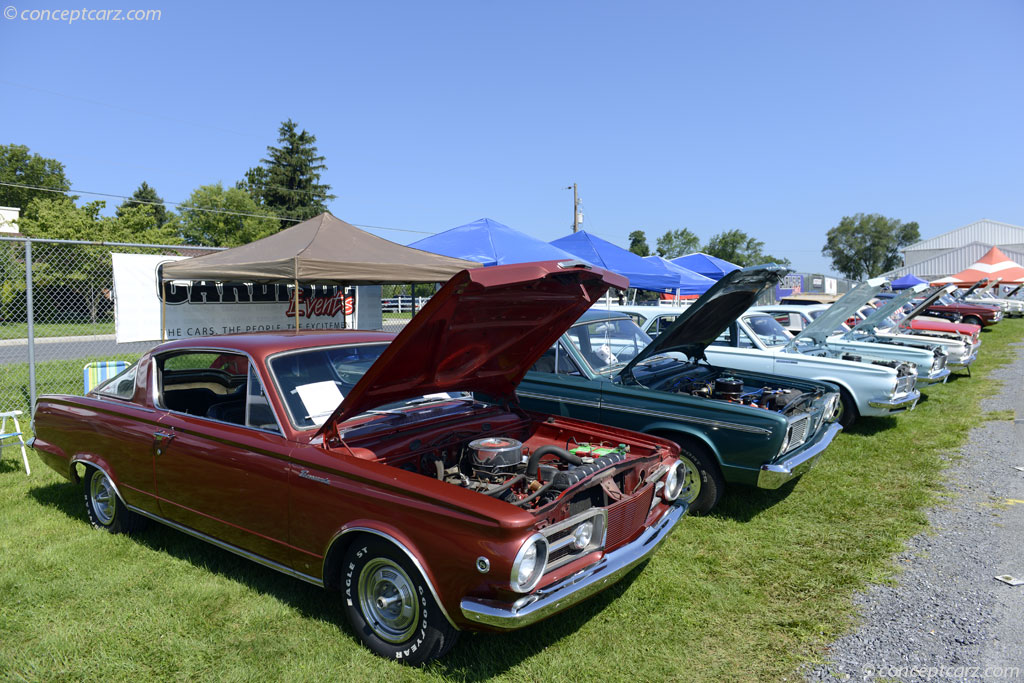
607, 345
313, 382
767, 329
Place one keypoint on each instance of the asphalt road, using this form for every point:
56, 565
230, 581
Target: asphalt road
69, 350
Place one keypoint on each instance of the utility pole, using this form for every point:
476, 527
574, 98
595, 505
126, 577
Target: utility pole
577, 217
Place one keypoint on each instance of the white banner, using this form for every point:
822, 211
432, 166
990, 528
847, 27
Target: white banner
200, 308
137, 297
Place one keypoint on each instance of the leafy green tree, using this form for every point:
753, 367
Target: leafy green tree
288, 181
638, 243
736, 246
220, 224
676, 243
866, 245
145, 195
19, 165
80, 272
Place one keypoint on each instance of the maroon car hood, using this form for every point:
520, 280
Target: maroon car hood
481, 332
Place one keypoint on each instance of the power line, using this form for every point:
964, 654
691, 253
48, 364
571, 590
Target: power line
182, 207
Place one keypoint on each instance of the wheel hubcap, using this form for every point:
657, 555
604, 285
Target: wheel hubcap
691, 481
388, 600
103, 498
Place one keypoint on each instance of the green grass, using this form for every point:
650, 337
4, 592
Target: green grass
749, 593
20, 330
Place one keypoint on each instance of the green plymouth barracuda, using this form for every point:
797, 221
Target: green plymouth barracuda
736, 427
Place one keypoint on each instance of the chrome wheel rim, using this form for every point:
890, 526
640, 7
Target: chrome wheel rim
388, 600
691, 481
103, 498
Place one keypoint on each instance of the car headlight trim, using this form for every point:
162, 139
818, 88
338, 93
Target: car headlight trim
529, 565
674, 481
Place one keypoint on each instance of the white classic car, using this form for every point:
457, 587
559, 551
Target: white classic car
757, 343
1013, 308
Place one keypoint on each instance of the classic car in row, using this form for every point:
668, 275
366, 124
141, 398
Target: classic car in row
951, 307
827, 331
755, 342
356, 461
737, 427
1012, 308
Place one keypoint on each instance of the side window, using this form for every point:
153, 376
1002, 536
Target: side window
724, 339
556, 360
743, 339
120, 386
204, 383
664, 322
258, 412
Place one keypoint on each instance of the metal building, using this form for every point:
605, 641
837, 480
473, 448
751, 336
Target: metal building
955, 250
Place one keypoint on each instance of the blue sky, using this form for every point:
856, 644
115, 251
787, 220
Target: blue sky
777, 118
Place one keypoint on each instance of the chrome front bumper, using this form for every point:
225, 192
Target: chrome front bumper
897, 405
933, 378
965, 362
546, 601
776, 474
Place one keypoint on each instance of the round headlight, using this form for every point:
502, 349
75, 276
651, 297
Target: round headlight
674, 481
582, 536
529, 564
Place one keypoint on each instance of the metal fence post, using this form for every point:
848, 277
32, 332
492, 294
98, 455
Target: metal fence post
29, 316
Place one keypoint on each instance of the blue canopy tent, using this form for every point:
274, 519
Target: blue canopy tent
705, 264
642, 274
907, 281
491, 244
690, 282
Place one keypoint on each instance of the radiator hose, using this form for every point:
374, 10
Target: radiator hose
534, 462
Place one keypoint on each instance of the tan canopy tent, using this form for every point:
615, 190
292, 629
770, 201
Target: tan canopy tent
322, 250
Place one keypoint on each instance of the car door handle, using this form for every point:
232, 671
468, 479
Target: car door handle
162, 437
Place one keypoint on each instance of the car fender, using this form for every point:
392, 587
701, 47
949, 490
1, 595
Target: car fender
665, 428
335, 551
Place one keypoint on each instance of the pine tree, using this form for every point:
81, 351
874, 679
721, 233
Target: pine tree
146, 196
287, 182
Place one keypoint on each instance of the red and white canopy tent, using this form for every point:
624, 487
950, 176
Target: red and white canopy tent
994, 264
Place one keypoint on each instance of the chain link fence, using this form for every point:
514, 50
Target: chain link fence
57, 314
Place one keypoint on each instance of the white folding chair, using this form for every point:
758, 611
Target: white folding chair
5, 435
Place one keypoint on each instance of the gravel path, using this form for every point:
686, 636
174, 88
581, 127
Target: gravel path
947, 618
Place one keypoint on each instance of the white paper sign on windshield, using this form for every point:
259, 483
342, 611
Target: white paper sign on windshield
320, 400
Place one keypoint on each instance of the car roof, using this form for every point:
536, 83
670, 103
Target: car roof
789, 308
262, 344
592, 314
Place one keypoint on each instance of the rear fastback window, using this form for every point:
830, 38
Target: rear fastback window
314, 382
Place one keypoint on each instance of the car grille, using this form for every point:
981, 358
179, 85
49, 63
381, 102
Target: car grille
559, 538
626, 516
798, 431
906, 384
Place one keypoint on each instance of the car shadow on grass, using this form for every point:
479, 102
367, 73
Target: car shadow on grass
476, 657
744, 503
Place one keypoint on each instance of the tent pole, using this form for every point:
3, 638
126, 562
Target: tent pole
296, 304
163, 311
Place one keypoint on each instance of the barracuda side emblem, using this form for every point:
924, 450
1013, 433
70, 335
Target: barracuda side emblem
312, 477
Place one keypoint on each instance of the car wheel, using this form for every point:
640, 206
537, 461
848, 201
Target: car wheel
704, 483
390, 606
847, 410
104, 508
972, 320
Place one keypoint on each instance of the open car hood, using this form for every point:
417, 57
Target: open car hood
825, 325
929, 299
980, 283
480, 332
888, 307
715, 310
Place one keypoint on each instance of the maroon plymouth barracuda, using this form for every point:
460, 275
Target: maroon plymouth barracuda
363, 465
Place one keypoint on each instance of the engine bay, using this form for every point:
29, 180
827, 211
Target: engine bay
722, 385
520, 460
